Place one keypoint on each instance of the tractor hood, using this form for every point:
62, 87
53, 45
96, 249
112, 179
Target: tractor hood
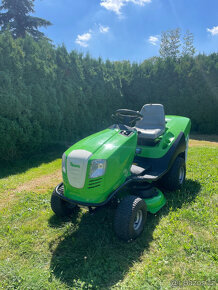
94, 142
114, 148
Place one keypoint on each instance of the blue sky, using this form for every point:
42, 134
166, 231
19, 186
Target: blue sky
127, 29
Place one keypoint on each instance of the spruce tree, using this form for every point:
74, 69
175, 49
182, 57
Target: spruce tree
17, 19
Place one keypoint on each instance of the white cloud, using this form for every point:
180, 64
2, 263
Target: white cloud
116, 5
103, 29
153, 39
113, 5
83, 39
213, 30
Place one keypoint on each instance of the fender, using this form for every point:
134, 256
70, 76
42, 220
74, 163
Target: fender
160, 166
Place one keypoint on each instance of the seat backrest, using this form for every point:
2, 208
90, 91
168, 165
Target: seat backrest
153, 117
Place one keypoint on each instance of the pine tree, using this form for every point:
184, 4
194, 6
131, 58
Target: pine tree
18, 21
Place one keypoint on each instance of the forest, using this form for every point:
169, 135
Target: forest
50, 96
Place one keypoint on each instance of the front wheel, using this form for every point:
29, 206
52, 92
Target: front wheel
175, 178
130, 218
60, 207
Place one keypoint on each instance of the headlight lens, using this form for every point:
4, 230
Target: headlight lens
97, 168
64, 163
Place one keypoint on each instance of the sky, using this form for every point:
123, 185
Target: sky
127, 29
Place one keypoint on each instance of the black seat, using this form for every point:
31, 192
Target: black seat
153, 123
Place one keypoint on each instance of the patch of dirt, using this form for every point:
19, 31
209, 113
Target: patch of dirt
41, 183
199, 143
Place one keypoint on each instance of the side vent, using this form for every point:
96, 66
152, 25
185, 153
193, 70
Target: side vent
96, 182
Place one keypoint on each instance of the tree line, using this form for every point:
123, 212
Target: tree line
51, 96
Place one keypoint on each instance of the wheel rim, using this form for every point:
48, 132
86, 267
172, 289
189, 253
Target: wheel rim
138, 220
181, 175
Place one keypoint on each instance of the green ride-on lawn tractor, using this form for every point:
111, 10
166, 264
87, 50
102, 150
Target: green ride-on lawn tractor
126, 163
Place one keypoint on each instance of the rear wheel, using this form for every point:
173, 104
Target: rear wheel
175, 178
60, 207
130, 218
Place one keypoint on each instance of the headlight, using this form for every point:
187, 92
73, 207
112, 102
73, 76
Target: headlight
64, 163
97, 168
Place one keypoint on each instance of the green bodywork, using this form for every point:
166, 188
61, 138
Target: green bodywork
155, 203
119, 151
174, 125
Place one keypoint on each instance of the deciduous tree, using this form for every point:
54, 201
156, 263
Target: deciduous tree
188, 46
170, 44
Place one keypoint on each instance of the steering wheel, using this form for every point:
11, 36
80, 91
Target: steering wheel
126, 117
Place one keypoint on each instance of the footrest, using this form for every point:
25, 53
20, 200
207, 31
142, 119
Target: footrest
153, 176
137, 170
145, 177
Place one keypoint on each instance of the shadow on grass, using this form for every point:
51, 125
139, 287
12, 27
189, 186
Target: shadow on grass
46, 155
58, 222
186, 195
91, 255
20, 166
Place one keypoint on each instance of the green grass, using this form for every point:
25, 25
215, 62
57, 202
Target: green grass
40, 251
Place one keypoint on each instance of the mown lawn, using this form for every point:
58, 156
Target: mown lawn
40, 251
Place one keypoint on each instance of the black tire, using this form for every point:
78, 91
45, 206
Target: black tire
175, 177
60, 207
125, 220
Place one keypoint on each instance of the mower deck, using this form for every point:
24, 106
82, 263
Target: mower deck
154, 202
